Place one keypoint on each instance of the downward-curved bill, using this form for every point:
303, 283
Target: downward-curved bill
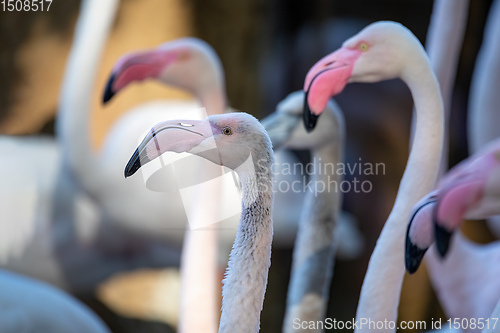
327, 78
414, 253
173, 135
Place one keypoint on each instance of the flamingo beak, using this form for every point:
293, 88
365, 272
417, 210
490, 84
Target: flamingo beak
137, 67
173, 135
413, 252
325, 79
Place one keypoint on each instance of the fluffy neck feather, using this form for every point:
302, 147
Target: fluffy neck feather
379, 297
249, 261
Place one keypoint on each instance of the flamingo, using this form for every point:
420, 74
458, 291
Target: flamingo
237, 141
385, 50
462, 291
319, 232
29, 305
98, 173
444, 38
483, 102
50, 228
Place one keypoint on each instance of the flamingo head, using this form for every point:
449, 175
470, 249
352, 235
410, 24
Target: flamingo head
186, 63
227, 139
381, 51
419, 234
286, 131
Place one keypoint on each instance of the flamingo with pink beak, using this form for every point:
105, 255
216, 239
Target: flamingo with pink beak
470, 190
186, 63
381, 51
466, 280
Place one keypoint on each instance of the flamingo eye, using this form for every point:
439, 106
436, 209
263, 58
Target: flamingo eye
227, 131
363, 47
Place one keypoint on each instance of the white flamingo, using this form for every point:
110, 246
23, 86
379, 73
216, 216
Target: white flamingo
237, 141
51, 229
381, 51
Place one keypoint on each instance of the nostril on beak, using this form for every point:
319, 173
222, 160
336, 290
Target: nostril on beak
329, 63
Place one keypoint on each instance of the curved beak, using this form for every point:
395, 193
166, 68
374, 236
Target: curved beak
325, 79
173, 135
137, 67
419, 222
280, 126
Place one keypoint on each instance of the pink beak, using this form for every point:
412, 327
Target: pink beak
137, 67
173, 135
325, 79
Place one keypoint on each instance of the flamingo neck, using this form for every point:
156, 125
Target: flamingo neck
382, 284
315, 246
213, 99
483, 115
249, 261
73, 123
443, 44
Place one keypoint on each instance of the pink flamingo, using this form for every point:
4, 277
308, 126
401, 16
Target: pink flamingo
386, 50
237, 141
460, 278
460, 291
483, 116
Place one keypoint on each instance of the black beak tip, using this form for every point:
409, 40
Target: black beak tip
310, 119
413, 254
108, 92
133, 164
443, 238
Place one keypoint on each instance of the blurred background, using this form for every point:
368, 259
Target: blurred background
266, 48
